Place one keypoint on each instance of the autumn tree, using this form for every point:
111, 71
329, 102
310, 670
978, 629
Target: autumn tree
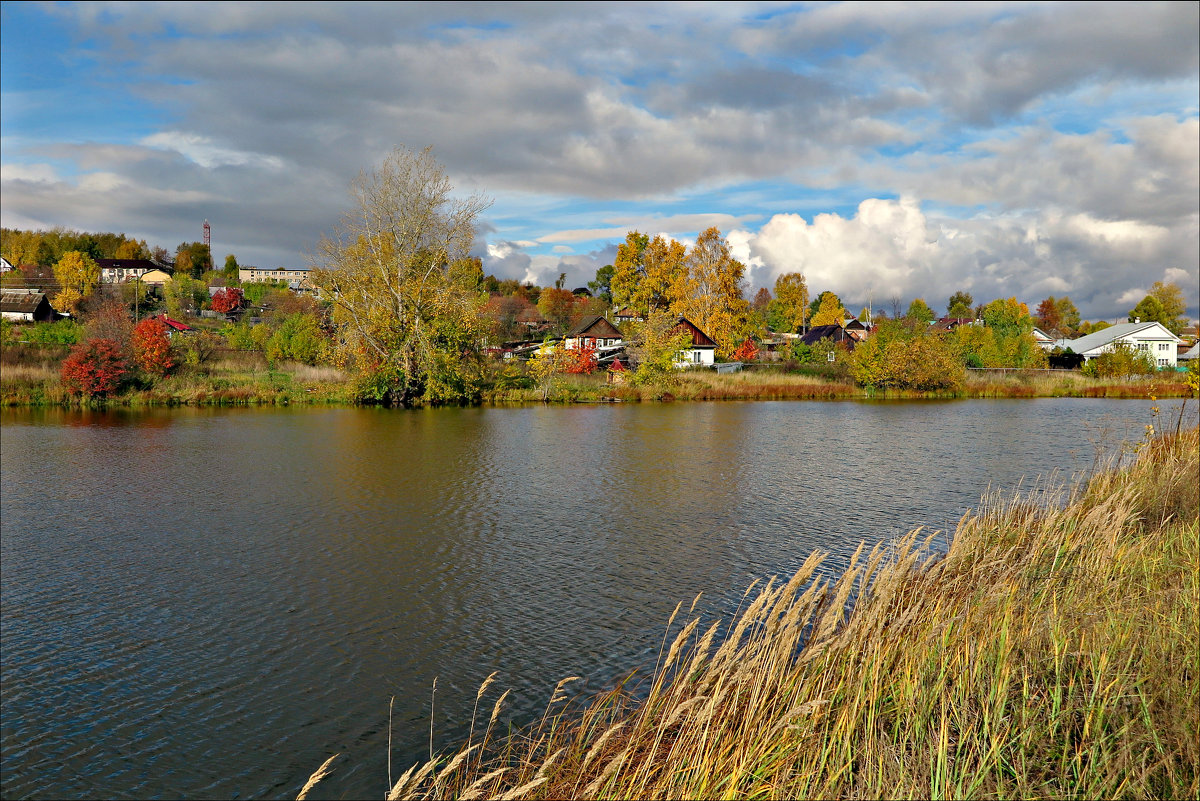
654, 346
1047, 316
791, 299
829, 310
1163, 305
132, 249
708, 291
77, 274
151, 347
193, 258
1008, 317
1068, 316
762, 299
629, 268
556, 304
95, 368
919, 312
231, 270
960, 305
403, 322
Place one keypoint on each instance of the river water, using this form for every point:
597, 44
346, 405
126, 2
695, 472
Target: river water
208, 603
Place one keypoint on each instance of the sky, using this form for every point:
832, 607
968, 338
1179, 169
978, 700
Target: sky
887, 151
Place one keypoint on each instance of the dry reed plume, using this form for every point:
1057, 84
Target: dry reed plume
1051, 653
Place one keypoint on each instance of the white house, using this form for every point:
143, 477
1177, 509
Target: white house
702, 351
1152, 338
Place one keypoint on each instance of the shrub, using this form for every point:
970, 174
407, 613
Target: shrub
94, 368
297, 338
63, 332
152, 347
1121, 360
226, 300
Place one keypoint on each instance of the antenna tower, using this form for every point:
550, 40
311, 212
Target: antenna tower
207, 233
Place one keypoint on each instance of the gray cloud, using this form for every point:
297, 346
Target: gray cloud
273, 108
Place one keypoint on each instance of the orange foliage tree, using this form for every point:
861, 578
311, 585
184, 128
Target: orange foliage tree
152, 347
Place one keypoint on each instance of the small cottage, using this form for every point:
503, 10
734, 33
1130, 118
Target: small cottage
593, 332
703, 350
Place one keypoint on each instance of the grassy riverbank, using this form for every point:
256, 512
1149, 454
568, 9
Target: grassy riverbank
233, 379
821, 384
31, 377
1050, 654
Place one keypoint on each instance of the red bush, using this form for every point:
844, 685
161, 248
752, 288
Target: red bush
581, 361
94, 368
152, 347
226, 300
746, 352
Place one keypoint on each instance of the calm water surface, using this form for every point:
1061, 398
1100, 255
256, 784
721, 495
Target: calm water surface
208, 603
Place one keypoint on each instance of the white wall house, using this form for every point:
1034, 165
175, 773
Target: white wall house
1151, 338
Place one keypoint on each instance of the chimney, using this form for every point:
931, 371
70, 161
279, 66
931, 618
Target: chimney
1137, 319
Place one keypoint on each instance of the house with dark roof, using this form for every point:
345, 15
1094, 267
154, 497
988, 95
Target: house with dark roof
26, 305
835, 333
593, 332
703, 350
118, 271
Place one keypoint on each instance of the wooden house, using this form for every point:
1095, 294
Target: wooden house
703, 350
593, 332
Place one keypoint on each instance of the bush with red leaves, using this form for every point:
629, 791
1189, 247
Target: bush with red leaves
746, 352
226, 300
152, 347
581, 360
94, 368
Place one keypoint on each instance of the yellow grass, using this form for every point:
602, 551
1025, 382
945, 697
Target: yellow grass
1051, 653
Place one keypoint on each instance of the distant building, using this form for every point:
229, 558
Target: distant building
118, 271
296, 278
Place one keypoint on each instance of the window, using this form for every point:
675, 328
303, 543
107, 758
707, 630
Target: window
1143, 346
1162, 346
1163, 362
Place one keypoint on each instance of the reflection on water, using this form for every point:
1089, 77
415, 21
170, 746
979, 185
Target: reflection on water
210, 602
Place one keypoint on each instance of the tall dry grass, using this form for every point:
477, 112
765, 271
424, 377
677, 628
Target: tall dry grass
1051, 653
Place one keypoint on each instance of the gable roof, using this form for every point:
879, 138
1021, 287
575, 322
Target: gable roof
699, 338
21, 301
595, 326
1107, 336
819, 332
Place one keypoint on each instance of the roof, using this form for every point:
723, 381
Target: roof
1193, 353
175, 324
1111, 334
625, 312
597, 327
699, 338
21, 301
819, 332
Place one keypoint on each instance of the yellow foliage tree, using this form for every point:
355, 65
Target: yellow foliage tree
830, 312
78, 275
405, 319
791, 297
708, 291
629, 268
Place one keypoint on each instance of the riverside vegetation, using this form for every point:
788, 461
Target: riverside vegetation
1050, 653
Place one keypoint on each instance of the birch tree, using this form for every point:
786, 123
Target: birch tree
405, 318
